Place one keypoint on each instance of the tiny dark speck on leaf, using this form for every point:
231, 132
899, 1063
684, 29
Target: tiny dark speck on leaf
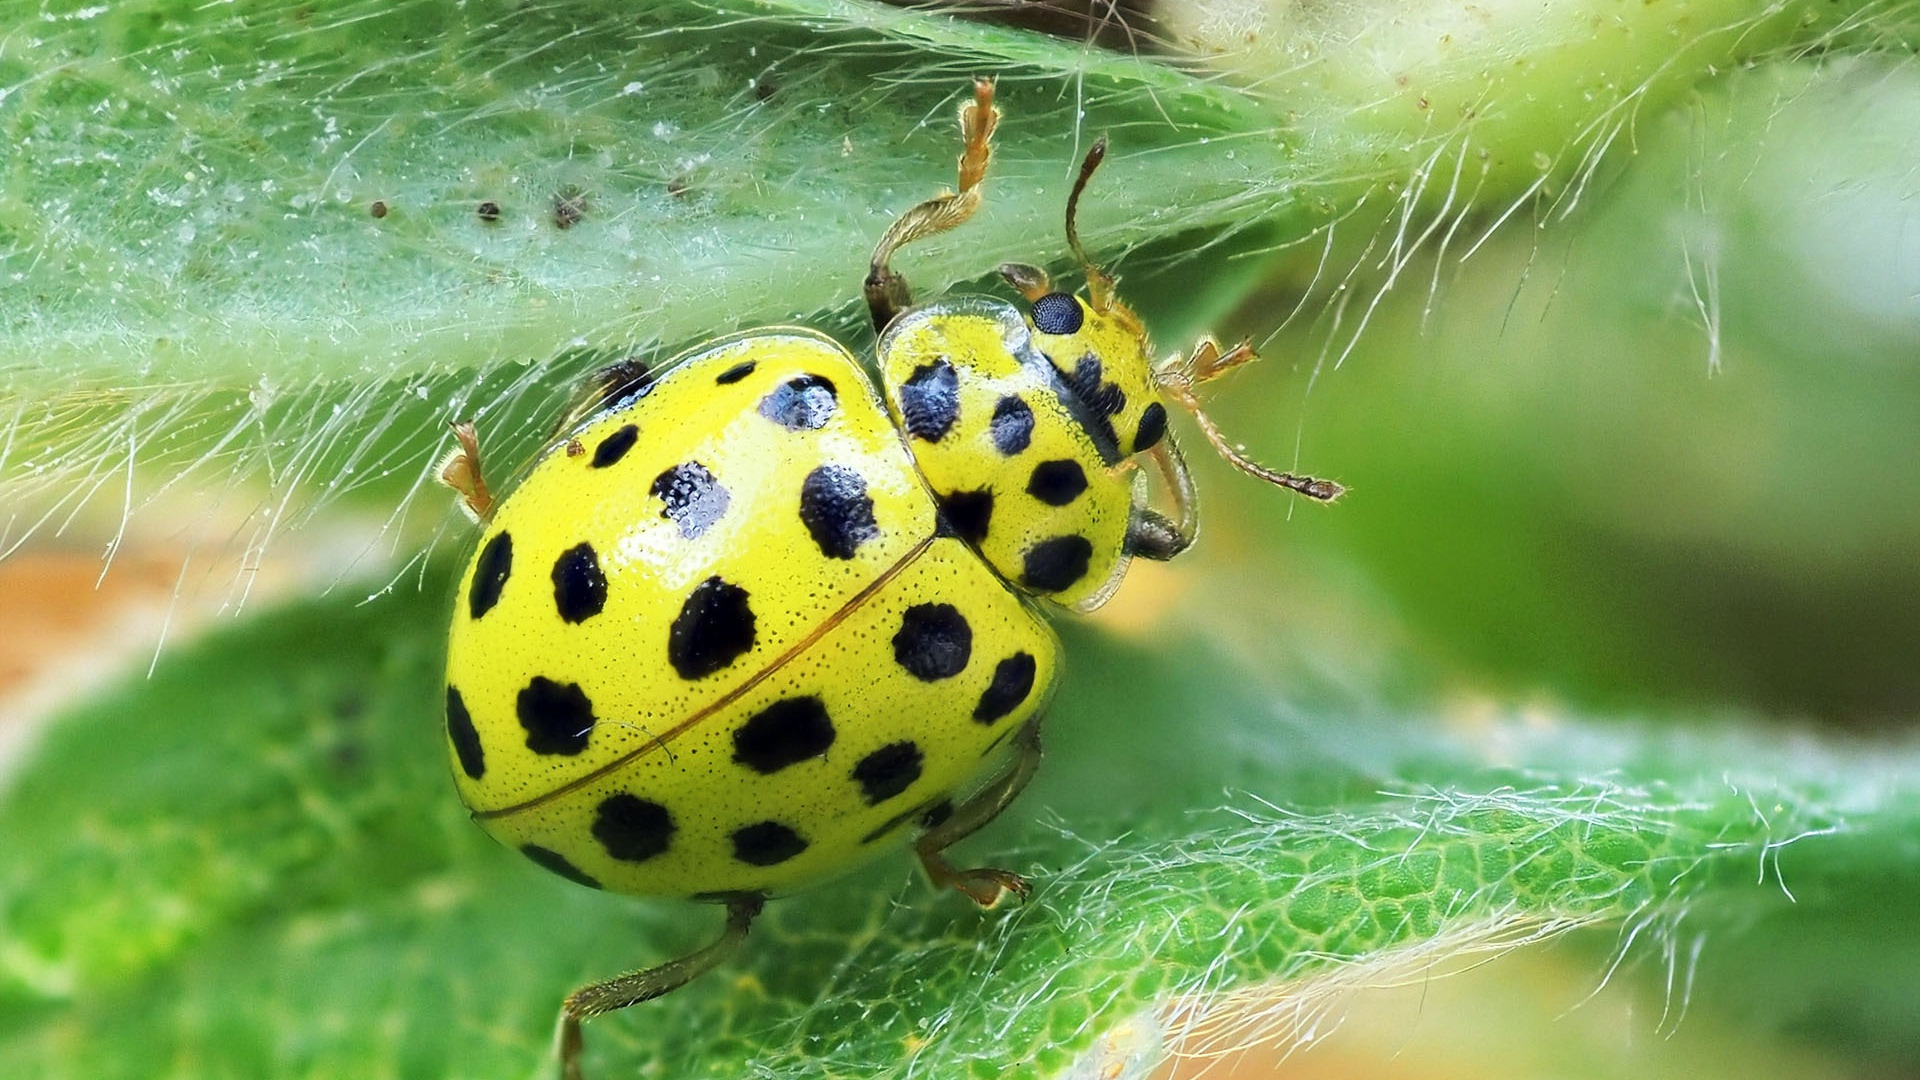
569, 206
677, 187
765, 87
489, 211
379, 208
347, 756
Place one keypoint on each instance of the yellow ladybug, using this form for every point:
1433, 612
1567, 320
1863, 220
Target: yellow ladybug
746, 621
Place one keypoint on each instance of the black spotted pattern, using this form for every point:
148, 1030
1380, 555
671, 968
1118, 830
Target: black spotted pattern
632, 829
1099, 401
558, 717
490, 572
1056, 563
1012, 682
464, 736
782, 734
579, 587
837, 511
930, 400
888, 771
933, 642
1057, 313
970, 513
714, 627
1153, 427
691, 498
614, 447
1057, 483
1102, 397
767, 843
802, 403
1011, 426
557, 863
735, 373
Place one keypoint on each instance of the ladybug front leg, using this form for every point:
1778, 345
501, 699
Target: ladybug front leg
1153, 535
983, 884
886, 290
649, 983
1177, 379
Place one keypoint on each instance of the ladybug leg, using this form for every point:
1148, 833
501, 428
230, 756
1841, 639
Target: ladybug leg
886, 290
984, 885
1177, 379
460, 470
1153, 535
649, 983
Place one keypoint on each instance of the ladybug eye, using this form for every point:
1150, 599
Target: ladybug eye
1057, 313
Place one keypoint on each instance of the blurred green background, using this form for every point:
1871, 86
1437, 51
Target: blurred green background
1632, 515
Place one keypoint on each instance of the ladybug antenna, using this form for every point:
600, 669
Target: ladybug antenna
1099, 282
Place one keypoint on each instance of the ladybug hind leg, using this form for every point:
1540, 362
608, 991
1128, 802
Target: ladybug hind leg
984, 885
649, 983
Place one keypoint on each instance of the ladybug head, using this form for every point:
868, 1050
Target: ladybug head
1100, 348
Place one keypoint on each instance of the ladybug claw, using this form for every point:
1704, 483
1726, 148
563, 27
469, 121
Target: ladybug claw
987, 887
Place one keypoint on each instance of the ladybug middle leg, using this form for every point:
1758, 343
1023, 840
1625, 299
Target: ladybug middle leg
983, 884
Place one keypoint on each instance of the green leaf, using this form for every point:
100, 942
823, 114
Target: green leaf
254, 865
198, 291
1595, 463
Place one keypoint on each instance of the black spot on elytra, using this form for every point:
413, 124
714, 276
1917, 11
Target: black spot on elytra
888, 771
614, 447
1056, 563
1057, 483
1153, 427
930, 400
969, 513
464, 736
782, 734
1012, 682
767, 843
1011, 426
490, 572
933, 642
632, 829
714, 627
1057, 313
735, 373
558, 717
557, 863
691, 498
579, 587
836, 509
802, 403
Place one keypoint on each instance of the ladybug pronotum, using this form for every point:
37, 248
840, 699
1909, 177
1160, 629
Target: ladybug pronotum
747, 620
